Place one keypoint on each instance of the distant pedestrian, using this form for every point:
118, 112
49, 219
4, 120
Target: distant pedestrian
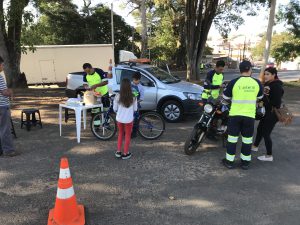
273, 93
6, 141
125, 105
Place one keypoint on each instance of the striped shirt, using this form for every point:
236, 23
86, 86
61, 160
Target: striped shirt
4, 101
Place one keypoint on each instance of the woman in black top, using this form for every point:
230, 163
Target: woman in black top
273, 93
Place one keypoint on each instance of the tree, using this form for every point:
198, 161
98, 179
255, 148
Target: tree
170, 25
286, 51
10, 39
63, 24
290, 15
141, 6
199, 16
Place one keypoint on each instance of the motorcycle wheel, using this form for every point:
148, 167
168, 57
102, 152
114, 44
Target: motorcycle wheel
193, 142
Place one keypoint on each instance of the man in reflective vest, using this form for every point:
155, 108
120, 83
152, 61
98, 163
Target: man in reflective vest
243, 93
213, 82
97, 81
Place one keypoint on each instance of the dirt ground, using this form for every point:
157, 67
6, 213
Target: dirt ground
158, 185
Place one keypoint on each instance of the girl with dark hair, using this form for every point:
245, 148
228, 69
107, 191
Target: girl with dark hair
273, 93
125, 104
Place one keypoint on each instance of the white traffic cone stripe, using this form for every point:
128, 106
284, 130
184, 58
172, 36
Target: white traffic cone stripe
64, 173
65, 193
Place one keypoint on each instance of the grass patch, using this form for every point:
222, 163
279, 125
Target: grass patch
292, 84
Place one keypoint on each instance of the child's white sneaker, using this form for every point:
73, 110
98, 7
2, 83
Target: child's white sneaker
254, 149
265, 158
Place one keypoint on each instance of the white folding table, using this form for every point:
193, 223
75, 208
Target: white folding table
77, 110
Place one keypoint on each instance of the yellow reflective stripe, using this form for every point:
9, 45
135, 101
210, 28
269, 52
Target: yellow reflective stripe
230, 157
247, 140
232, 139
246, 157
244, 101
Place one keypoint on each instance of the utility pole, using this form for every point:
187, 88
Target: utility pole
244, 48
268, 39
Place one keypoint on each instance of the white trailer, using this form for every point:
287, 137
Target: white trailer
50, 64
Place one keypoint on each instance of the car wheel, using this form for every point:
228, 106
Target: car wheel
172, 111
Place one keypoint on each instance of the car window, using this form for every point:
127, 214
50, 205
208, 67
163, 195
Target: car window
118, 73
162, 75
123, 73
145, 81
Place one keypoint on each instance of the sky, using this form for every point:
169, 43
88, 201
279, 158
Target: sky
252, 27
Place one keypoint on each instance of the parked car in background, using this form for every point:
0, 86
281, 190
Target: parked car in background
270, 65
165, 93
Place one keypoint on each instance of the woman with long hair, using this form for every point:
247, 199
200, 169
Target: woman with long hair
125, 105
273, 93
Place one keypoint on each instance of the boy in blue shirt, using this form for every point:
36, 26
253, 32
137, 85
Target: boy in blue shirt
138, 92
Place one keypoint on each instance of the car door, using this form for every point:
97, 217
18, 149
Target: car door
150, 88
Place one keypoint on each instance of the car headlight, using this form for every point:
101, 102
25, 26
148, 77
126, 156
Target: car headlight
192, 96
208, 108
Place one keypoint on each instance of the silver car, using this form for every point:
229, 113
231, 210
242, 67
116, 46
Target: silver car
165, 93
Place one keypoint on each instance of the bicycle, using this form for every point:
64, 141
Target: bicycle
150, 125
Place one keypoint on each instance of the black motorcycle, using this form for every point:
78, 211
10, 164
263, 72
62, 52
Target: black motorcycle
213, 113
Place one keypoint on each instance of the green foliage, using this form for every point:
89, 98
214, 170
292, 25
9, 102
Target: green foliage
164, 43
290, 15
284, 47
286, 51
229, 14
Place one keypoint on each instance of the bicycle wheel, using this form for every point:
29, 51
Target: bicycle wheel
103, 126
151, 125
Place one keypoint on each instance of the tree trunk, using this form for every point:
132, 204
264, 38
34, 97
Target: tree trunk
143, 13
268, 39
181, 51
198, 19
10, 42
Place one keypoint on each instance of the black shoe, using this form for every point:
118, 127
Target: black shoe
228, 164
10, 154
127, 156
118, 154
245, 165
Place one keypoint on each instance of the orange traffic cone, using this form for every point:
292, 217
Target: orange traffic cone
109, 74
66, 210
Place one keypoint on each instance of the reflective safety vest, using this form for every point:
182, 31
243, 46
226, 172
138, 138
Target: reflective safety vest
216, 80
244, 97
135, 91
96, 79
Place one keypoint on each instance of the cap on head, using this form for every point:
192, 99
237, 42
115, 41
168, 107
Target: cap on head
245, 66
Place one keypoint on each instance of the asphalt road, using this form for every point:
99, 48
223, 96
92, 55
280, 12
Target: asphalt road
283, 75
289, 75
159, 185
